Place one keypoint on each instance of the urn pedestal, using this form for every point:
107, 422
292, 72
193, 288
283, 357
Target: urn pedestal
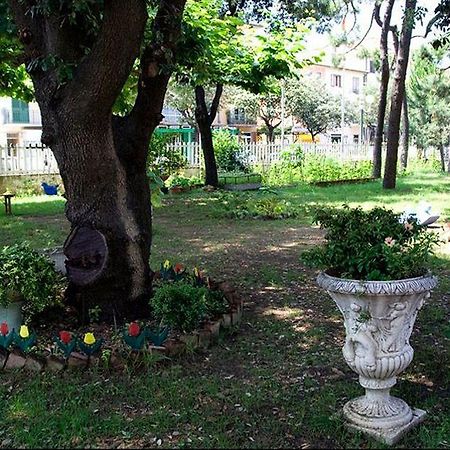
379, 317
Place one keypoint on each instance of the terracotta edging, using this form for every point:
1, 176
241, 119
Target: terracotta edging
200, 339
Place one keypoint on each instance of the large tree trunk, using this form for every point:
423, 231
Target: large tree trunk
405, 133
102, 158
398, 91
205, 120
111, 196
384, 84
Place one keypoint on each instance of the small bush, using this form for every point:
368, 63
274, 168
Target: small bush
179, 180
161, 160
371, 245
243, 206
226, 150
180, 305
29, 276
295, 167
216, 303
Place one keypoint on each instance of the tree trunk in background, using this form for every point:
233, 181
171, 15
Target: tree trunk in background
398, 91
270, 133
442, 155
205, 120
211, 176
405, 133
384, 84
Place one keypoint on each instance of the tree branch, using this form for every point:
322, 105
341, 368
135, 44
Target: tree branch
117, 46
157, 62
215, 103
30, 29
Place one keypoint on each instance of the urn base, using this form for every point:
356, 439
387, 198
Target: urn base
383, 429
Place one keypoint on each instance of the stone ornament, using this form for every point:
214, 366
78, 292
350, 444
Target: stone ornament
378, 318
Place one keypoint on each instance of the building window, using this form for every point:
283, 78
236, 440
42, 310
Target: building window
20, 112
355, 85
336, 80
335, 138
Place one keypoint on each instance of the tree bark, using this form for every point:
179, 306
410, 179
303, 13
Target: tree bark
270, 133
384, 84
405, 133
390, 172
204, 120
102, 158
442, 155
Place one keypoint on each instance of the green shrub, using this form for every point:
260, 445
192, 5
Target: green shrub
161, 160
180, 305
216, 303
30, 277
180, 180
226, 150
371, 245
294, 167
242, 205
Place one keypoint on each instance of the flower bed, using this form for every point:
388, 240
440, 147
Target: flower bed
100, 345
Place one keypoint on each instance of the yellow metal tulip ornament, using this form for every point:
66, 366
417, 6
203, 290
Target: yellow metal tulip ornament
24, 339
90, 345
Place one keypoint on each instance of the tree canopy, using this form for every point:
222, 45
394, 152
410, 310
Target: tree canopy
313, 105
429, 96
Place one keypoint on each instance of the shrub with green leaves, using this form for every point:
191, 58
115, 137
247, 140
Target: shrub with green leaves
226, 150
179, 180
296, 167
216, 303
161, 160
30, 277
180, 305
242, 206
371, 245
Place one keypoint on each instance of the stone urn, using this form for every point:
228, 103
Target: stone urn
12, 313
379, 317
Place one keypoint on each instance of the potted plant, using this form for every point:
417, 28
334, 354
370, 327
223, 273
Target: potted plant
376, 272
29, 284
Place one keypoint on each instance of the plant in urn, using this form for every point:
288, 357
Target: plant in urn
376, 273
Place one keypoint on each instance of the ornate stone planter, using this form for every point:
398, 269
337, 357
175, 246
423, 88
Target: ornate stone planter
379, 317
12, 315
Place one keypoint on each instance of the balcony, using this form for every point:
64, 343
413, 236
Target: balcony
238, 117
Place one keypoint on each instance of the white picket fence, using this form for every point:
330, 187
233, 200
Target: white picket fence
262, 153
31, 160
36, 159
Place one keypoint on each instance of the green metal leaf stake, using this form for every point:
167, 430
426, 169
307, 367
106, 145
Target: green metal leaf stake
159, 337
24, 340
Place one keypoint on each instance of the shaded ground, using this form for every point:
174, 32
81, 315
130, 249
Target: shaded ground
278, 381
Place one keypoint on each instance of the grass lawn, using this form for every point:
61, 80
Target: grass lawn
278, 381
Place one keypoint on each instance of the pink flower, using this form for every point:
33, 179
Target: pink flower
408, 226
389, 241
